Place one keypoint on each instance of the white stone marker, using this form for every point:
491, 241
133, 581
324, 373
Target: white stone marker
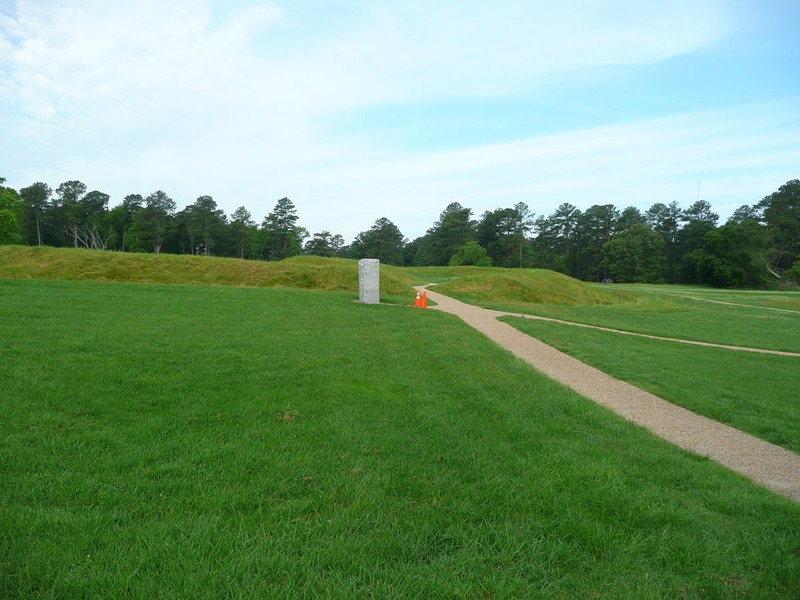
369, 281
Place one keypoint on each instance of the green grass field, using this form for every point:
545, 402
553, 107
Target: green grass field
204, 441
656, 310
208, 441
757, 393
665, 315
782, 300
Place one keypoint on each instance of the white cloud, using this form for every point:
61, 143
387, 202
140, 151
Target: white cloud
738, 156
136, 96
93, 61
422, 49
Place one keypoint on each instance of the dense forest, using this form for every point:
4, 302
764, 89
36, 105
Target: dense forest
759, 246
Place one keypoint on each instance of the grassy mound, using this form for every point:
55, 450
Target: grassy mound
526, 286
302, 272
486, 286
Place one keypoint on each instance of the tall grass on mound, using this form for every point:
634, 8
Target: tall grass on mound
518, 287
207, 442
304, 272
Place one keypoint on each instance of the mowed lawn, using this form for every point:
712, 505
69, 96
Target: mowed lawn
665, 312
187, 441
785, 300
757, 393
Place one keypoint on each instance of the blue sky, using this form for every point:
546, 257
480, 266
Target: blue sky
358, 110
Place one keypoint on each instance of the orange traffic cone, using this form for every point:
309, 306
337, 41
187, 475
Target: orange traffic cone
418, 301
424, 303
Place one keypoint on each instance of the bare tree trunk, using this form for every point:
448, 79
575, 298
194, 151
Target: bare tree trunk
157, 245
773, 272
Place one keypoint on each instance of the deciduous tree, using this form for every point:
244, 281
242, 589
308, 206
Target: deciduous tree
471, 253
383, 241
636, 255
453, 229
121, 219
502, 233
10, 214
781, 214
324, 243
733, 256
9, 227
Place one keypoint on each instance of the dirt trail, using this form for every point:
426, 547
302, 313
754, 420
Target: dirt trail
772, 466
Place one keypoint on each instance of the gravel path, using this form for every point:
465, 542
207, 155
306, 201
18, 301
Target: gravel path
773, 467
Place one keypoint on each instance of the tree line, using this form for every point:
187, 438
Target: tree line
759, 246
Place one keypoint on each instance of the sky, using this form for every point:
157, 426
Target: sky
362, 109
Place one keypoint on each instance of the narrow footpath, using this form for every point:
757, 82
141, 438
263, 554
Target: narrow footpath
649, 336
773, 467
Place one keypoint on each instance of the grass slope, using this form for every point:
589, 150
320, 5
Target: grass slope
756, 393
516, 287
189, 441
304, 272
